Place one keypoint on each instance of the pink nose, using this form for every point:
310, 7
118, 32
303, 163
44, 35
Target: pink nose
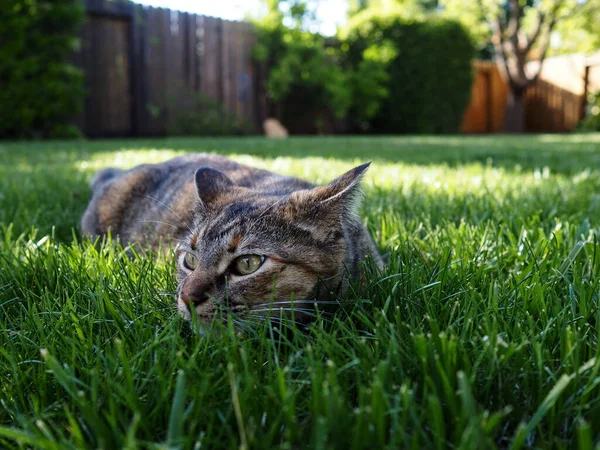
193, 298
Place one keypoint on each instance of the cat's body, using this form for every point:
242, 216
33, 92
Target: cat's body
244, 236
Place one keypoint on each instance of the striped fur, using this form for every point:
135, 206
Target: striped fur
311, 237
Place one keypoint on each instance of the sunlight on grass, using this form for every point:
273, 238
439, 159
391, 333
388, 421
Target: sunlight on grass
480, 332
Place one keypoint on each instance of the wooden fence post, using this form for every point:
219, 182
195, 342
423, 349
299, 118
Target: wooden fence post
586, 82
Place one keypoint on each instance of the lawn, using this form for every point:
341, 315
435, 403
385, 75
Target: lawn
480, 332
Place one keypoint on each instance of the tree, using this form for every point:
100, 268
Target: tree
520, 31
515, 47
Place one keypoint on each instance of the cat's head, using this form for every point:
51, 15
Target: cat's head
249, 250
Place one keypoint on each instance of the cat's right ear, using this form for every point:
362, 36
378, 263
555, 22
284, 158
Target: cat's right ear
210, 184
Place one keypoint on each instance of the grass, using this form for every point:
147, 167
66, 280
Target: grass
481, 332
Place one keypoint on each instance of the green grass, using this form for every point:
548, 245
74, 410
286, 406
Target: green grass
481, 332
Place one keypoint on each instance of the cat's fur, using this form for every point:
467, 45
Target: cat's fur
311, 237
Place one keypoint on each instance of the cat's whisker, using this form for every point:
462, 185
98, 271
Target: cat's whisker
281, 308
335, 275
157, 221
308, 312
170, 209
285, 323
302, 302
260, 320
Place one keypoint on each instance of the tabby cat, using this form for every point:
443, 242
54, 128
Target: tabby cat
247, 239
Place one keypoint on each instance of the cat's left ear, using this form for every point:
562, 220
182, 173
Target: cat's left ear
210, 184
340, 196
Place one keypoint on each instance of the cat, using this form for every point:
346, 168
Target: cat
247, 239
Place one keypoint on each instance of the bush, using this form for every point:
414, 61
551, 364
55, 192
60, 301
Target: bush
409, 75
305, 81
39, 90
591, 122
204, 116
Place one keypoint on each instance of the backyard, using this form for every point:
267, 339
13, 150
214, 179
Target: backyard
480, 332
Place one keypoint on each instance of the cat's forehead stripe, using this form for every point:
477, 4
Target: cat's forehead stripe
235, 242
231, 217
194, 240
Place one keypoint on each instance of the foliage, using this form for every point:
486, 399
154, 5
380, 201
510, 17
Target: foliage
473, 19
479, 333
401, 66
576, 30
39, 90
204, 116
592, 120
304, 77
580, 33
386, 73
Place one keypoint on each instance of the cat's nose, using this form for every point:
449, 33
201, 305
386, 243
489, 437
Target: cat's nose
193, 298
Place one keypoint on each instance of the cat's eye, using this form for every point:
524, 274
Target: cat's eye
247, 264
189, 261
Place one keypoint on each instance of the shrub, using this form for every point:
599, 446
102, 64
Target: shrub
409, 75
304, 76
204, 116
591, 122
39, 90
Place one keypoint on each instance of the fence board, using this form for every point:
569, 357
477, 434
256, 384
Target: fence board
178, 91
107, 106
249, 41
211, 78
139, 74
226, 63
190, 44
485, 113
156, 70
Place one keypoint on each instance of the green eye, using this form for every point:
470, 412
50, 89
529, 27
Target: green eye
247, 264
189, 261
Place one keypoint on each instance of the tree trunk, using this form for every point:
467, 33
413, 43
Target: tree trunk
514, 121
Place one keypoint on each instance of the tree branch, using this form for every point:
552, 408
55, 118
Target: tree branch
514, 23
498, 30
544, 47
533, 37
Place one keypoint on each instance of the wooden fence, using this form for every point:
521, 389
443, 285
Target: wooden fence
551, 108
143, 64
548, 108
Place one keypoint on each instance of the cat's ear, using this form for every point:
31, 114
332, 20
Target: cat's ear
340, 196
210, 184
344, 188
